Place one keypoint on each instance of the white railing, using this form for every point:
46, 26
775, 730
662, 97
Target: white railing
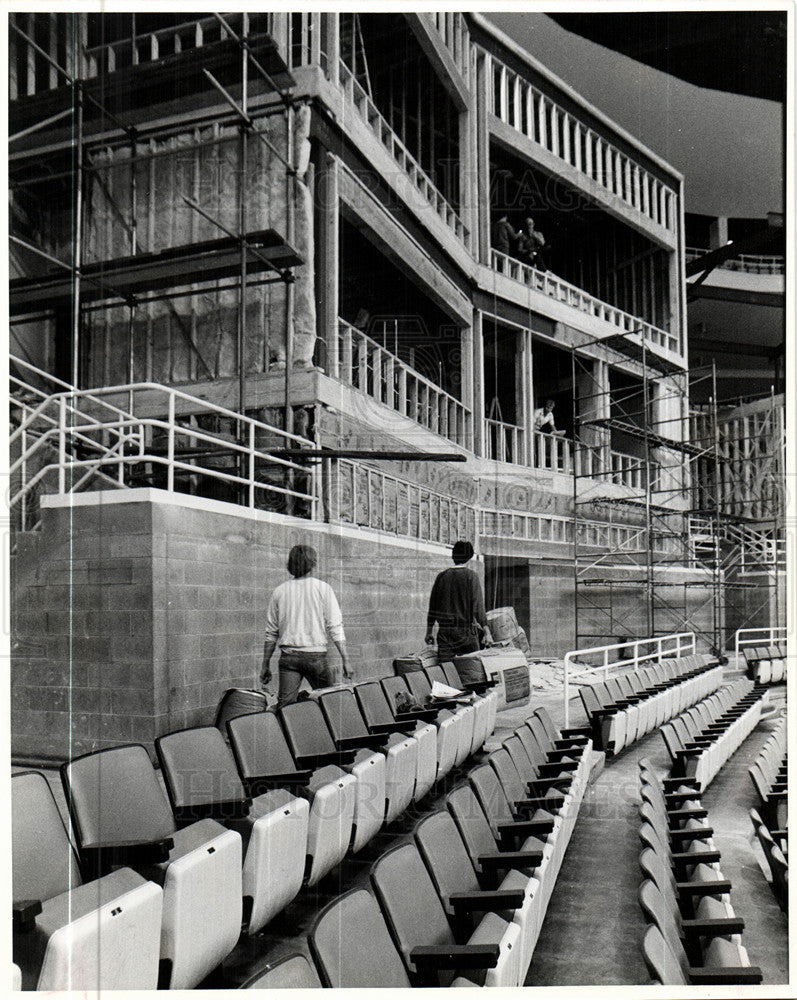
627, 470
365, 108
621, 654
757, 637
453, 31
557, 288
365, 365
749, 263
506, 442
527, 110
371, 498
552, 452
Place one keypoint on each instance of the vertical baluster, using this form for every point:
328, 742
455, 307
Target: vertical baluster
376, 373
542, 124
554, 147
362, 364
346, 360
646, 193
414, 401
578, 133
531, 130
390, 381
566, 151
588, 150
637, 189
30, 52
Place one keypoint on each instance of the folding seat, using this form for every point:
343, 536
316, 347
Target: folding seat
560, 771
552, 749
608, 721
484, 703
669, 969
420, 689
511, 869
558, 787
431, 737
562, 738
773, 806
516, 789
622, 690
417, 920
319, 734
308, 826
120, 815
447, 861
291, 972
70, 935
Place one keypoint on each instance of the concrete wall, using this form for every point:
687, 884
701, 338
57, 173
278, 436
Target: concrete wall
134, 612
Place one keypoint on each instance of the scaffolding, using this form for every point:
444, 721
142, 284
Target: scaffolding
693, 546
240, 259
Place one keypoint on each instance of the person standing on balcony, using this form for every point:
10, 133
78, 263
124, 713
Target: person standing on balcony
530, 244
456, 605
543, 419
303, 614
504, 236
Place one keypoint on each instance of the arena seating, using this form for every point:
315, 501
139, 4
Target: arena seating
774, 844
120, 815
624, 708
420, 689
766, 664
693, 935
292, 972
770, 778
452, 738
701, 740
70, 935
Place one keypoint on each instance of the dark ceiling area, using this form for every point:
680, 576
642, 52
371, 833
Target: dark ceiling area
739, 51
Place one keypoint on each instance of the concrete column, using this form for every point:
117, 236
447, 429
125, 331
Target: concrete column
478, 383
526, 420
330, 43
718, 233
481, 245
328, 216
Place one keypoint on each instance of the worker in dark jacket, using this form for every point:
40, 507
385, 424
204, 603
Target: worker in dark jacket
456, 604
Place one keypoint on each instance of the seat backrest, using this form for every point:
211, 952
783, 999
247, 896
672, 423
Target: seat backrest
114, 796
44, 863
259, 745
503, 765
514, 747
306, 729
293, 972
490, 794
451, 674
445, 856
238, 701
437, 673
409, 901
392, 687
589, 698
373, 704
530, 745
342, 715
654, 867
661, 962
471, 822
539, 734
671, 740
659, 913
352, 947
419, 685
199, 771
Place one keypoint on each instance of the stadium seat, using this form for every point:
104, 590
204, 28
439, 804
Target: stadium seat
285, 840
67, 934
423, 934
292, 972
665, 966
448, 726
318, 734
420, 689
120, 815
773, 845
485, 704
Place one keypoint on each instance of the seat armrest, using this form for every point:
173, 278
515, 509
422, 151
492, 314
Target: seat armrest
541, 802
417, 715
479, 687
713, 888
388, 728
261, 783
542, 787
698, 833
554, 767
574, 742
526, 827
554, 755
584, 731
221, 810
729, 976
487, 901
314, 761
504, 860
691, 812
430, 957
678, 782
98, 859
371, 742
716, 927
25, 912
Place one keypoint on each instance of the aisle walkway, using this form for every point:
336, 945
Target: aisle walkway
593, 929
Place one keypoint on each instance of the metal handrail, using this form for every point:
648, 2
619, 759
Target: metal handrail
681, 643
750, 263
755, 637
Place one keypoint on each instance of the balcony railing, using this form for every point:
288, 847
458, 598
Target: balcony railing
746, 262
627, 470
365, 365
453, 31
561, 290
506, 442
365, 108
526, 109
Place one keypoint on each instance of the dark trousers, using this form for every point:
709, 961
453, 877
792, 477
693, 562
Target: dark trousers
296, 667
453, 642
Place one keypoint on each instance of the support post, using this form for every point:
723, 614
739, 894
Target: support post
328, 180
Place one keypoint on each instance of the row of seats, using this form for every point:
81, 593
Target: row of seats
693, 935
628, 706
775, 845
766, 664
769, 774
462, 903
701, 740
241, 831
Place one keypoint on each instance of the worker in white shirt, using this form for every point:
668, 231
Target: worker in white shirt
543, 419
303, 614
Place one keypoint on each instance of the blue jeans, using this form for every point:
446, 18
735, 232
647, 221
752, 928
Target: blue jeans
296, 666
